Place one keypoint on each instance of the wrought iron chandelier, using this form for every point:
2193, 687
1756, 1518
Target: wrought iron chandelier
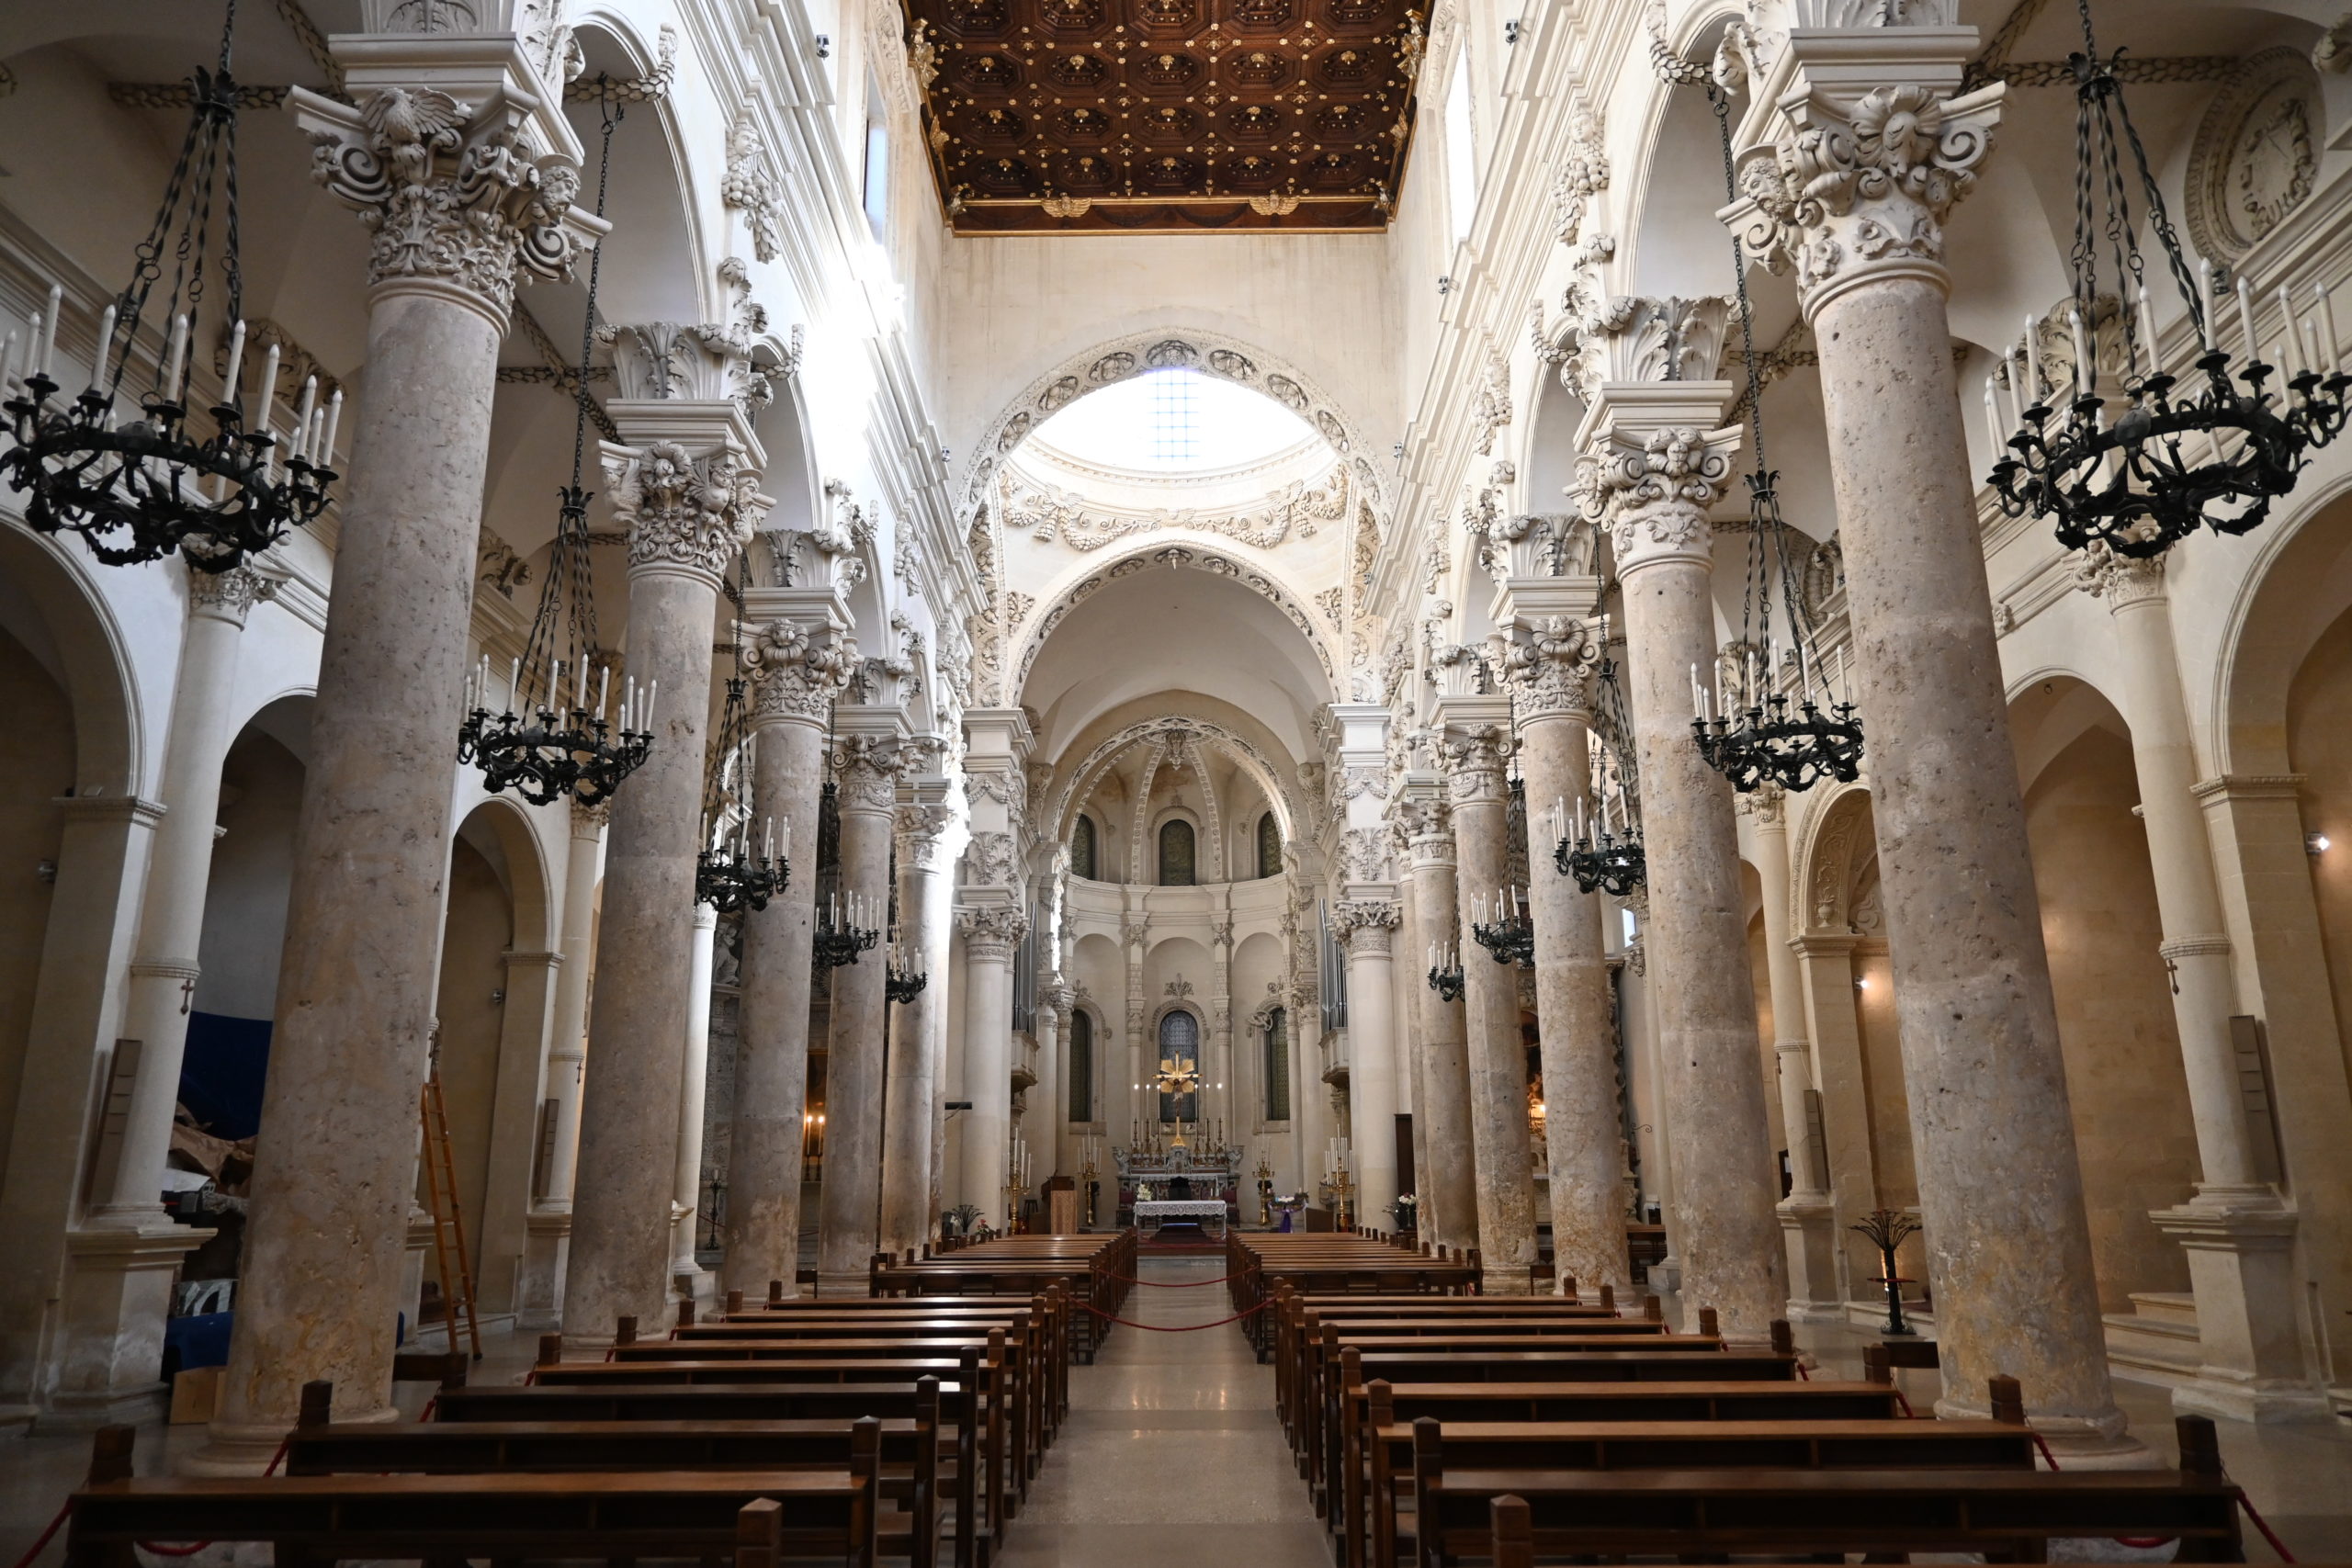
905, 976
138, 491
839, 938
1509, 936
559, 744
1605, 855
1766, 726
729, 875
1445, 972
2209, 446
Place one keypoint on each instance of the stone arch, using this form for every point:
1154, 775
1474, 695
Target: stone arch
53, 604
1081, 782
1157, 837
2297, 584
1031, 635
1132, 354
657, 266
528, 878
1833, 845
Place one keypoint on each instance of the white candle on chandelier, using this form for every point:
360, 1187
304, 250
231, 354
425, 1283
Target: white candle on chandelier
2032, 361
555, 681
2019, 400
2086, 368
2245, 316
2148, 333
105, 335
268, 403
325, 454
2205, 302
1992, 430
604, 690
45, 330
513, 681
2291, 363
2331, 356
2311, 352
302, 419
236, 363
768, 849
652, 691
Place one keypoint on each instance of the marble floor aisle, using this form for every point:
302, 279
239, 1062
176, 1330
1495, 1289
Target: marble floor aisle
1171, 1455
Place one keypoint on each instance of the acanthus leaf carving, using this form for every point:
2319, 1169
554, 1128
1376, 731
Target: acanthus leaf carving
681, 511
1549, 669
795, 670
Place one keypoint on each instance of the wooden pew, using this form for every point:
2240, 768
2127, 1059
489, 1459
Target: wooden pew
903, 1454
311, 1520
1888, 1443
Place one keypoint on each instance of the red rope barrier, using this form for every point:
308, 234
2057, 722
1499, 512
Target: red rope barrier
1184, 1284
26, 1561
2263, 1525
1178, 1327
2047, 1457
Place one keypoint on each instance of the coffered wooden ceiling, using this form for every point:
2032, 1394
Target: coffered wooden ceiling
1193, 116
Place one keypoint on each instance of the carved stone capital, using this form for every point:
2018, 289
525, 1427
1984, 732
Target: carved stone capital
992, 860
2122, 581
1766, 802
1856, 188
1135, 931
866, 767
990, 934
1425, 822
920, 831
456, 195
1652, 488
797, 672
588, 821
227, 595
685, 513
665, 361
1474, 758
1549, 668
1366, 925
1639, 337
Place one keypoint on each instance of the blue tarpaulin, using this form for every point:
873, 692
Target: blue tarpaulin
220, 1076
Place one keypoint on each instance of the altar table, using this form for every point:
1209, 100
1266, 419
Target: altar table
1158, 1212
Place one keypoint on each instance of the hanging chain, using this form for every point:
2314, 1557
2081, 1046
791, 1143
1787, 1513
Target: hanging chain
1756, 600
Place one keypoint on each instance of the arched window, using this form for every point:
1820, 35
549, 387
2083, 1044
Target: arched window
1270, 846
1278, 1066
1082, 848
1180, 1050
876, 193
1176, 853
1081, 1067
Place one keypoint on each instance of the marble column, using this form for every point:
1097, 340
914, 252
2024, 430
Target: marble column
926, 911
1551, 666
120, 1295
685, 490
1217, 1066
798, 652
2237, 1233
694, 1080
1852, 189
1477, 744
1808, 1227
990, 933
865, 762
1138, 1061
1657, 462
549, 1223
1449, 1187
1367, 927
452, 222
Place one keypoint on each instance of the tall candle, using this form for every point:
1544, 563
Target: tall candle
2246, 317
45, 329
324, 455
2148, 333
2205, 302
2333, 355
2086, 368
2034, 361
2294, 354
105, 336
236, 363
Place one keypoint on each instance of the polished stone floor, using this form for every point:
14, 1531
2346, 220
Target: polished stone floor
1172, 1456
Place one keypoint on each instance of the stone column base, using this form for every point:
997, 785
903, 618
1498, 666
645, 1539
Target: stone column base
108, 1354
546, 1248
835, 1286
2239, 1245
1809, 1231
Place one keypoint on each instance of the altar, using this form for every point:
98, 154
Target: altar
1202, 1182
1154, 1212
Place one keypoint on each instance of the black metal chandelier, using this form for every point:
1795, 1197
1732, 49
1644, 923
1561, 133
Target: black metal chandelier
839, 938
730, 872
216, 492
1445, 972
905, 975
549, 739
1509, 935
2209, 446
1766, 725
1602, 848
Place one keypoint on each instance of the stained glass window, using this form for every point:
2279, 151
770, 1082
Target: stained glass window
1278, 1066
1270, 846
1081, 1067
1180, 1045
1176, 853
1082, 848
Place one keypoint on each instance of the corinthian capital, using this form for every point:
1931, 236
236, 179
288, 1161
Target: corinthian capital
1475, 757
2122, 581
990, 933
1639, 337
797, 672
662, 361
921, 827
1652, 486
866, 768
459, 196
227, 595
683, 513
1869, 153
1549, 669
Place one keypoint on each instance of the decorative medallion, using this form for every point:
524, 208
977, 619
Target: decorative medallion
2254, 154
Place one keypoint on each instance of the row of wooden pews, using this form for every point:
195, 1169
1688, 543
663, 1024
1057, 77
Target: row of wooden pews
1435, 1428
904, 1427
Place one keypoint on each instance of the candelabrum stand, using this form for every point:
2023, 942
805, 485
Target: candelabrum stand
1086, 1181
1888, 1229
1342, 1205
1265, 1174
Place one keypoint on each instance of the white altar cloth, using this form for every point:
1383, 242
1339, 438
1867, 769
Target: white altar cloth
1156, 1212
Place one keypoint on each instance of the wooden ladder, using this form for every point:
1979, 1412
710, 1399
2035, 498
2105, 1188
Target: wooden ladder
448, 1223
